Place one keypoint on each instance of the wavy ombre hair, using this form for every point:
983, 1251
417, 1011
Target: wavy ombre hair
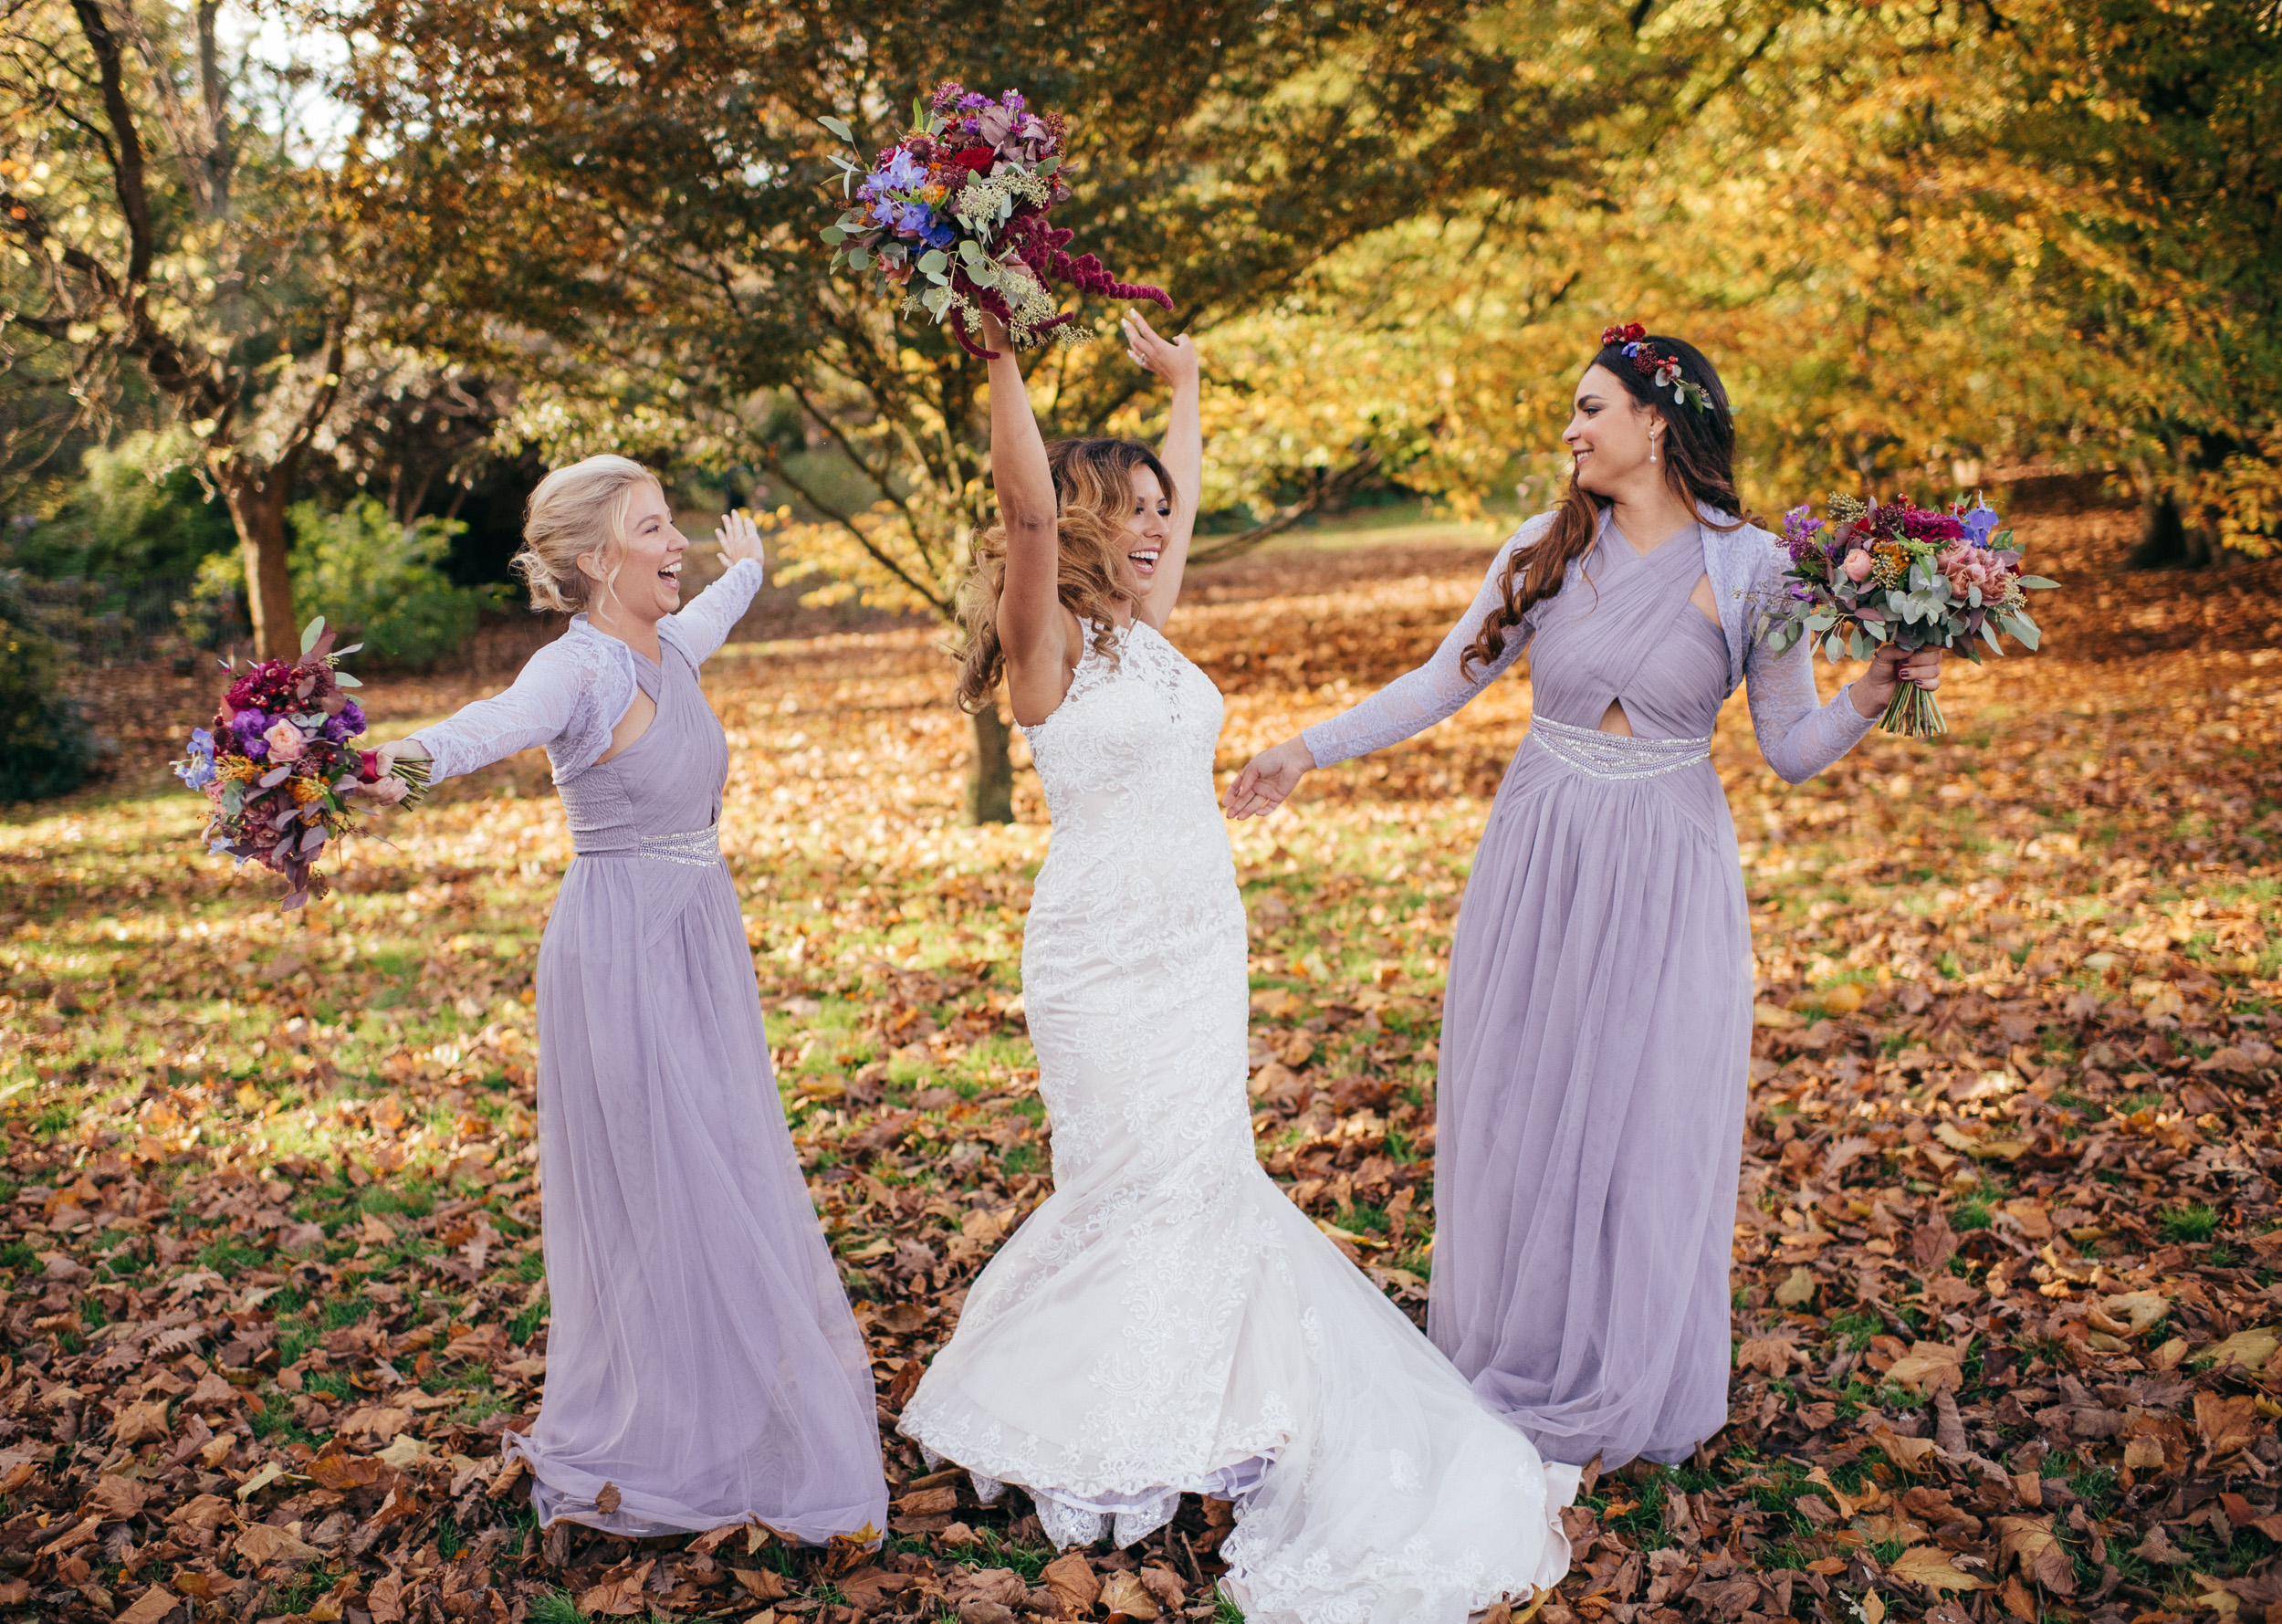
1094, 503
1699, 462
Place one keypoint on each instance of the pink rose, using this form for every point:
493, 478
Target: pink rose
1968, 566
286, 743
1857, 566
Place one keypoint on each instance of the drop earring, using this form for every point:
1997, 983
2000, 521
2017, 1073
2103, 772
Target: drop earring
1651, 449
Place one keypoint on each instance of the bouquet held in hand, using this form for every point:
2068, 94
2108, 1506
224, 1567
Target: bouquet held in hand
954, 216
1870, 573
280, 772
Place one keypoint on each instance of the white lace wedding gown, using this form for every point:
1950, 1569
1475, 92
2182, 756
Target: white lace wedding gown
1169, 1321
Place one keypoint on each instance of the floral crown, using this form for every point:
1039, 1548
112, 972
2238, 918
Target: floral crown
1662, 372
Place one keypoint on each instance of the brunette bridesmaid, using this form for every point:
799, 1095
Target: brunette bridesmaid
1597, 1028
703, 1368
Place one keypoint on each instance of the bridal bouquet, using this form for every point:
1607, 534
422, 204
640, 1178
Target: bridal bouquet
954, 216
277, 769
1875, 573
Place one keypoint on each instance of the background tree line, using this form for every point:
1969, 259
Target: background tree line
348, 277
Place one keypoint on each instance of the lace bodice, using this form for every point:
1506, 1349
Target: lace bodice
1126, 761
1797, 735
573, 693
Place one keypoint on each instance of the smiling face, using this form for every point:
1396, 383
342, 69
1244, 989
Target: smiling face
640, 576
1610, 434
1148, 524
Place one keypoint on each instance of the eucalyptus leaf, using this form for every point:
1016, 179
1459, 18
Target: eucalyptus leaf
858, 259
346, 681
839, 127
937, 300
311, 633
2038, 584
1989, 635
833, 235
933, 260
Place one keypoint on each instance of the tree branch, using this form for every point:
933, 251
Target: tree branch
774, 462
126, 176
1284, 519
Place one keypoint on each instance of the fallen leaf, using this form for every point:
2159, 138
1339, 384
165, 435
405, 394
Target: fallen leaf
139, 1422
2248, 1349
1070, 1578
150, 1607
1929, 1567
2226, 1424
1125, 1597
261, 1544
607, 1502
619, 1591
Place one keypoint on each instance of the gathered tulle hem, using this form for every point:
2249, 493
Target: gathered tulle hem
565, 1494
1130, 1516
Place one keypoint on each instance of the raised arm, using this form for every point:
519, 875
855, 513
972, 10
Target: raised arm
706, 621
1034, 626
1410, 704
1175, 361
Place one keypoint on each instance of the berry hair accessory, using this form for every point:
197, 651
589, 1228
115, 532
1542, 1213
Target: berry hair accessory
1662, 372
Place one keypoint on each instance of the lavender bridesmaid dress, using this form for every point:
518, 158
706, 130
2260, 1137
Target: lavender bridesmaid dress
1597, 1026
702, 1360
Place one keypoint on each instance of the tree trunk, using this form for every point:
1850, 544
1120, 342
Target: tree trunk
257, 506
990, 770
2167, 543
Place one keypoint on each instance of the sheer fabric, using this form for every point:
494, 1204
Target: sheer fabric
702, 1361
1597, 1024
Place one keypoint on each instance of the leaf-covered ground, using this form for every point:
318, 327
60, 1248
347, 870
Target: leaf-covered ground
2008, 1266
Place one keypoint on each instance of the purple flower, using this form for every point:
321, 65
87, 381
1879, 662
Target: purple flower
198, 771
1979, 522
347, 725
941, 237
899, 173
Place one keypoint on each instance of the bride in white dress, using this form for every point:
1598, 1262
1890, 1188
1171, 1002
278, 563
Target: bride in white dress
1169, 1321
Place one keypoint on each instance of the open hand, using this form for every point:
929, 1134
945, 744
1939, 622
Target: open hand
739, 539
1891, 667
1173, 360
1268, 777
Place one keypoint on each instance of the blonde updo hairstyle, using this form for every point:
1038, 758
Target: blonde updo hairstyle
577, 512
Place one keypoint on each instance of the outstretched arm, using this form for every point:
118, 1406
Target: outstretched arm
706, 620
1032, 623
1175, 361
534, 711
1410, 704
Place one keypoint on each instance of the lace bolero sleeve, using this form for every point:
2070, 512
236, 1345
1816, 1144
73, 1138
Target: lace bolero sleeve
555, 700
1798, 736
704, 623
1417, 699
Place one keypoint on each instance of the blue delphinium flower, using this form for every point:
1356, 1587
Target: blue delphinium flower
197, 771
1979, 523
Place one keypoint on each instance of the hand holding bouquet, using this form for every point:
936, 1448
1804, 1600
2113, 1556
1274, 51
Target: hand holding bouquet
1874, 575
278, 769
954, 216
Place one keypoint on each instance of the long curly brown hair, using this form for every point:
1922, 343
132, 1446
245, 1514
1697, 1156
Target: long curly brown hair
1698, 454
1094, 501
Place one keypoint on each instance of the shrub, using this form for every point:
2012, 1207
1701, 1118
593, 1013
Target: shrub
44, 747
374, 579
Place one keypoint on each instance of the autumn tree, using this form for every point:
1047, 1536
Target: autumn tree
643, 191
155, 218
1925, 245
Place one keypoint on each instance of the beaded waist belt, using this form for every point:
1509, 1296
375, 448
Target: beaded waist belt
1617, 756
701, 848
